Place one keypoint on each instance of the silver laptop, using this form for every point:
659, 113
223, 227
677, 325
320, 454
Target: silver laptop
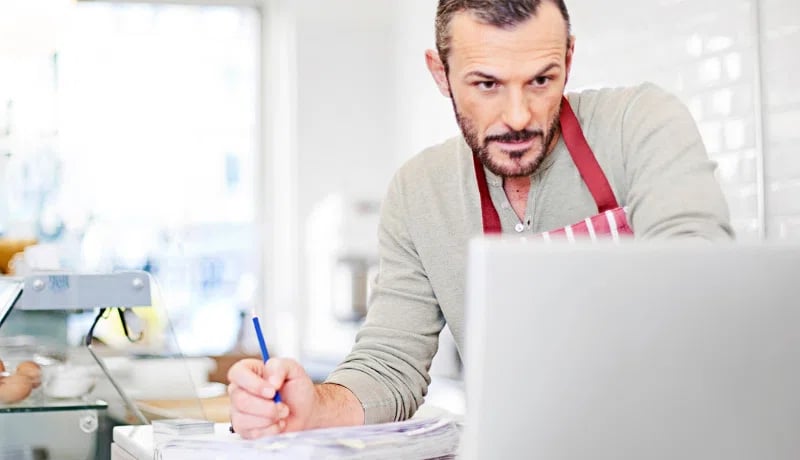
659, 351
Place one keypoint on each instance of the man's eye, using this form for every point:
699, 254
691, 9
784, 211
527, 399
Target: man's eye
541, 81
486, 85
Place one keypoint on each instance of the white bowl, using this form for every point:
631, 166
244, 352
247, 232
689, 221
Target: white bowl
67, 381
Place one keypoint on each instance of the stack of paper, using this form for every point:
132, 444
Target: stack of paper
182, 427
412, 439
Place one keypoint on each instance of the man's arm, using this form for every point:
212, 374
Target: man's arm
335, 405
672, 191
387, 370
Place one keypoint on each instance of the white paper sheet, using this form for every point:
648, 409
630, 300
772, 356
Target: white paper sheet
413, 439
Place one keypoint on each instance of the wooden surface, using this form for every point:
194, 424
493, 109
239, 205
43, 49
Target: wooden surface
223, 363
214, 409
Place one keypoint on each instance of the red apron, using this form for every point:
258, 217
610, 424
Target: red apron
611, 221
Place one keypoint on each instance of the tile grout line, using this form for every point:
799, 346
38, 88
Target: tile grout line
760, 126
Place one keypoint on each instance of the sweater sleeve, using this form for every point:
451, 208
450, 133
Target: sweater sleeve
387, 369
672, 190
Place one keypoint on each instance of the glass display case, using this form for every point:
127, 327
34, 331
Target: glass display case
44, 404
63, 401
42, 427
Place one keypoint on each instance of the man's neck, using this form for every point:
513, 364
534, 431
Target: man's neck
518, 188
517, 185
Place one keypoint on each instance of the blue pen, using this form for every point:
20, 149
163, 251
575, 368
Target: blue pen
264, 352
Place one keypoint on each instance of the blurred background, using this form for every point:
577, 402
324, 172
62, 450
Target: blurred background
238, 150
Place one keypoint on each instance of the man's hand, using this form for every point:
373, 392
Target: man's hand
252, 388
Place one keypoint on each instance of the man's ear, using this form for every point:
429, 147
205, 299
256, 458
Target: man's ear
436, 67
570, 53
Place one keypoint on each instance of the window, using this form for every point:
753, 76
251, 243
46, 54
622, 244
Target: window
143, 155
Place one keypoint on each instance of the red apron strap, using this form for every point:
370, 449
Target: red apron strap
491, 220
584, 159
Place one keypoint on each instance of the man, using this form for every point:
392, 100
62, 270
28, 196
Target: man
504, 65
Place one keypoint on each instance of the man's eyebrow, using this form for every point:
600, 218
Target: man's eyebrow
479, 74
548, 68
486, 76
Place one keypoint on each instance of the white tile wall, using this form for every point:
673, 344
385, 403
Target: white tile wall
704, 51
786, 228
781, 63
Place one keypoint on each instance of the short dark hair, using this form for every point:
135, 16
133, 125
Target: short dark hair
498, 13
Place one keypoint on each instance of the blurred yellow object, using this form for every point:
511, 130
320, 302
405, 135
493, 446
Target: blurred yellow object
156, 324
10, 247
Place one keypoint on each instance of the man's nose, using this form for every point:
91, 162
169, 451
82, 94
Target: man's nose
517, 114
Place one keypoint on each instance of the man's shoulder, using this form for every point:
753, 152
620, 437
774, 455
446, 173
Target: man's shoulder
435, 160
611, 105
620, 95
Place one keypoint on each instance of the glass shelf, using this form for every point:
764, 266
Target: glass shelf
44, 404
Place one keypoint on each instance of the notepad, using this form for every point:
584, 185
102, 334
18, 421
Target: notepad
414, 439
182, 427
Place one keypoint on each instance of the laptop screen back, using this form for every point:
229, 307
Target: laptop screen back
635, 351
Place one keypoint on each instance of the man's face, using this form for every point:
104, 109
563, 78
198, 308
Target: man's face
506, 87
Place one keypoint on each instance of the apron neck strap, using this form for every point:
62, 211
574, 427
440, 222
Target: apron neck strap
585, 161
491, 220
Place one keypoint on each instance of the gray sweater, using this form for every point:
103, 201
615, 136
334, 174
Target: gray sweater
651, 152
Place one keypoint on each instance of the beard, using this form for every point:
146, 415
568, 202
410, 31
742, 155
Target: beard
521, 168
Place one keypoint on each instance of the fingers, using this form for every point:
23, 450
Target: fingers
255, 426
246, 374
246, 403
253, 416
254, 413
280, 370
256, 433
